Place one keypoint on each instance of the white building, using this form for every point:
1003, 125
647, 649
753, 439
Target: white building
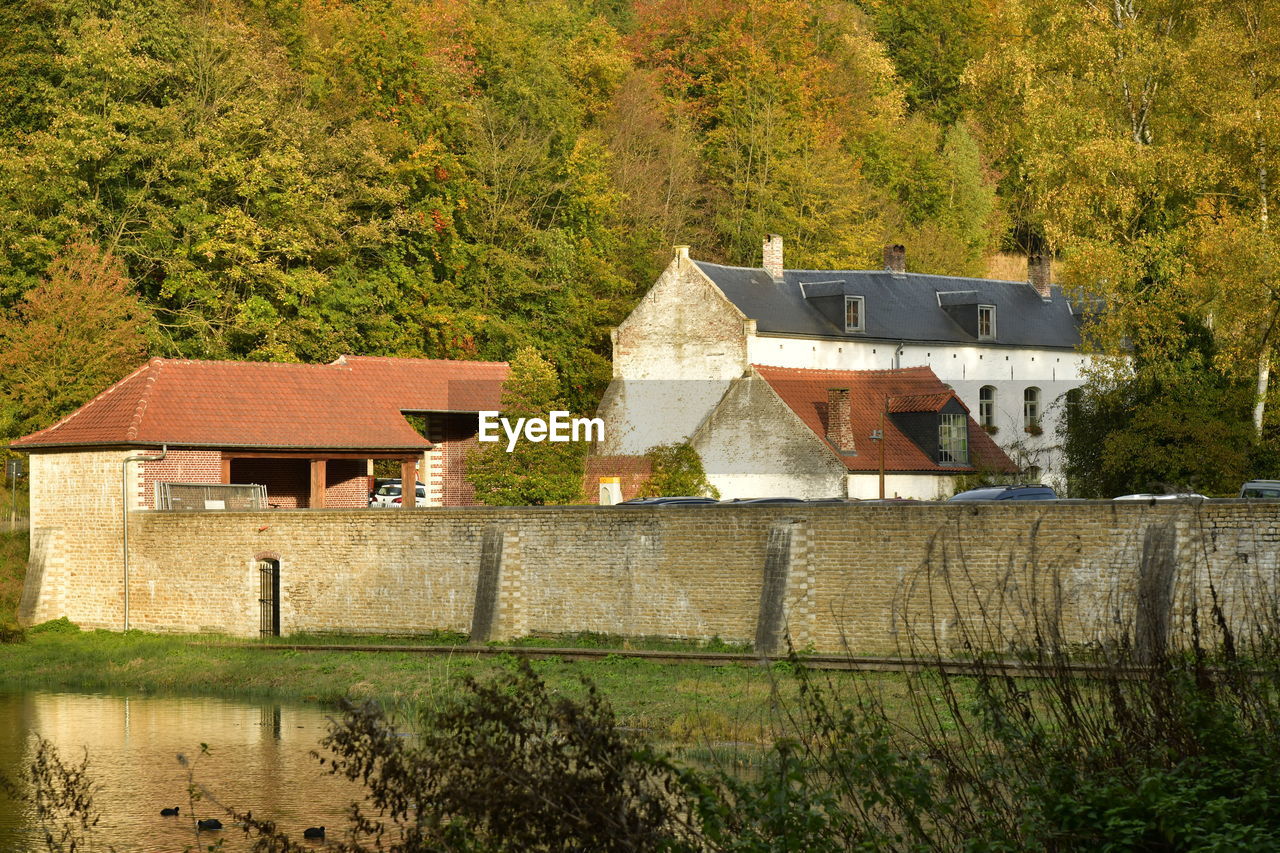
1009, 349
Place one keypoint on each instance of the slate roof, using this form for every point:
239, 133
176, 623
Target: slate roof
897, 307
805, 392
354, 403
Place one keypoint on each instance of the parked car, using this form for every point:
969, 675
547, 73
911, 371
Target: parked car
1180, 496
1034, 492
741, 501
378, 483
1265, 489
389, 496
668, 501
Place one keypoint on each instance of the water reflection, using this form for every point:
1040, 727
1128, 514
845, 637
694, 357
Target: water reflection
257, 760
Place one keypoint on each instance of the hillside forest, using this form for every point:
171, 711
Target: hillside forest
298, 179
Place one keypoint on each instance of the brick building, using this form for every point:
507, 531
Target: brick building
1010, 350
308, 433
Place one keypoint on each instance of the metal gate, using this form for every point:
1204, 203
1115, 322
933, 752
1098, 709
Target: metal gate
269, 597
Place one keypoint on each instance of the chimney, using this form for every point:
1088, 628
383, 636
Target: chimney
1039, 274
895, 258
773, 256
839, 420
682, 256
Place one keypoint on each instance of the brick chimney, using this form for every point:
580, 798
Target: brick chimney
773, 256
895, 258
839, 420
682, 256
1039, 274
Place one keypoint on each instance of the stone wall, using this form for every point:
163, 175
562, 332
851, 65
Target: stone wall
871, 579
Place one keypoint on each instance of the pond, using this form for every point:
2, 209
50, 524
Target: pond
258, 760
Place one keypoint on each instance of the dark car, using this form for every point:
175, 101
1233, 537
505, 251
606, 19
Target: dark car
741, 501
1034, 492
669, 501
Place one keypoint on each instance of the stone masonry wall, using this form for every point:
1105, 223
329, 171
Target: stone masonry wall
870, 579
75, 563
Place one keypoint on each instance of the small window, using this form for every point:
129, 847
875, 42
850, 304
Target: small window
953, 440
853, 319
1031, 410
987, 406
986, 322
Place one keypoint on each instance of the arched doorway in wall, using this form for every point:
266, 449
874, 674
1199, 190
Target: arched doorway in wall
268, 594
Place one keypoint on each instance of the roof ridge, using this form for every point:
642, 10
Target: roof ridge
219, 361
875, 272
885, 370
140, 409
347, 358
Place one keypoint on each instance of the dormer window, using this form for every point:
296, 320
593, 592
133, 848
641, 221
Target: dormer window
853, 316
953, 439
986, 322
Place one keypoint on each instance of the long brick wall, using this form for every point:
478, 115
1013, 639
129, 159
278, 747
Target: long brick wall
859, 577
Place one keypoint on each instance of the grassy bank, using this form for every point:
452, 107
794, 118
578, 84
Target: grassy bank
672, 703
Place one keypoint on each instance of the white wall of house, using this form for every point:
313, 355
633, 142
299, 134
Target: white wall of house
921, 487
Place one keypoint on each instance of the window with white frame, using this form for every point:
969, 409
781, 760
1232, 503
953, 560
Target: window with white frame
987, 405
1031, 410
986, 322
853, 319
953, 440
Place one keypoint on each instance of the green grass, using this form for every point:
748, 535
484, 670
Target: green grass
13, 569
673, 704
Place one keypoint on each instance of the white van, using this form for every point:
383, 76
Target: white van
1265, 489
389, 495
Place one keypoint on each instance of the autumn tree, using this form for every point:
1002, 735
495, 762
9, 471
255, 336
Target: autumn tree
68, 338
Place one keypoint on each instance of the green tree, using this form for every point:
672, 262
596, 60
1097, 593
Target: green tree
1186, 428
532, 473
676, 471
68, 338
177, 138
931, 42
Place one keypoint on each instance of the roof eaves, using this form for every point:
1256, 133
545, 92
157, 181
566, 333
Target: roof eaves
860, 336
62, 445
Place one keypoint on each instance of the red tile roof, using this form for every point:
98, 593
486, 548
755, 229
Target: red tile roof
910, 389
354, 403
